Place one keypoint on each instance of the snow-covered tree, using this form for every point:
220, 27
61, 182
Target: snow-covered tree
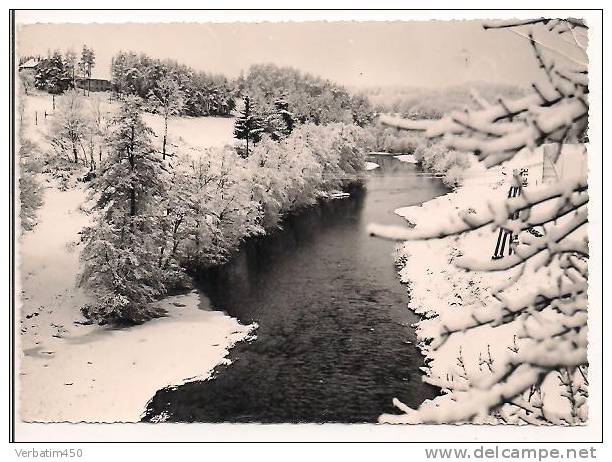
175, 222
51, 74
168, 99
121, 249
550, 317
340, 149
361, 110
70, 64
30, 190
69, 125
203, 93
27, 82
248, 125
96, 131
86, 64
286, 176
279, 123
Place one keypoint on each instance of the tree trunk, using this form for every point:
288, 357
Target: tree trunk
133, 185
74, 151
132, 201
165, 137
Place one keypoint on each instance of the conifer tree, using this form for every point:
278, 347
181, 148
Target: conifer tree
282, 109
248, 126
86, 65
70, 64
51, 74
279, 122
120, 255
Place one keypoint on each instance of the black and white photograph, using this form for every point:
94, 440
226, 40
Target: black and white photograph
349, 222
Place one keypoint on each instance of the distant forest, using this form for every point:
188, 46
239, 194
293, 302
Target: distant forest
310, 99
425, 103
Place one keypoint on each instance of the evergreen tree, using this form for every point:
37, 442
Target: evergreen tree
70, 65
282, 111
119, 72
121, 250
86, 65
248, 126
51, 74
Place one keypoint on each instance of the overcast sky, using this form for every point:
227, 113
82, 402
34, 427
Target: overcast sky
362, 54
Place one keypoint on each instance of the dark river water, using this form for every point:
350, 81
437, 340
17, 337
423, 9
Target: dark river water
334, 342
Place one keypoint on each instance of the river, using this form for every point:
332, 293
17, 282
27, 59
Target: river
335, 342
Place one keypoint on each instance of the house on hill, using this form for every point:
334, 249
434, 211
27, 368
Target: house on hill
29, 66
99, 81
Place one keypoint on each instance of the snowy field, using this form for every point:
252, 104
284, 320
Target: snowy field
191, 132
74, 372
197, 132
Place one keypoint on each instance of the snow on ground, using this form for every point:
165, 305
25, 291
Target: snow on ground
382, 153
196, 132
438, 288
371, 166
75, 372
409, 158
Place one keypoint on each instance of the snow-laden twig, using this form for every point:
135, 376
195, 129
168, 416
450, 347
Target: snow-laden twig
542, 303
496, 213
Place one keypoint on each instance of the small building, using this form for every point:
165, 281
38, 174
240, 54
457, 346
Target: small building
100, 80
93, 84
29, 66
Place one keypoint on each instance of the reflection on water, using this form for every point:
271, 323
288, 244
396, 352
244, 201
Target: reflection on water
334, 342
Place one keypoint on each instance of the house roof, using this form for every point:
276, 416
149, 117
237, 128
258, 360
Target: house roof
101, 73
29, 64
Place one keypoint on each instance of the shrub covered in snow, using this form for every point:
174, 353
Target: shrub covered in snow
30, 189
392, 140
438, 158
78, 130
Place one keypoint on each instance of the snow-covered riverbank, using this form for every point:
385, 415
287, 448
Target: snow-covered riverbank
74, 372
439, 290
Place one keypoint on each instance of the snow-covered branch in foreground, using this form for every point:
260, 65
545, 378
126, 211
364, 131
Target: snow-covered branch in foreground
552, 24
507, 341
572, 191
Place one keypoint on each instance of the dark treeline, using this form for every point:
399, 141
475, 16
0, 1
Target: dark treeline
203, 93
